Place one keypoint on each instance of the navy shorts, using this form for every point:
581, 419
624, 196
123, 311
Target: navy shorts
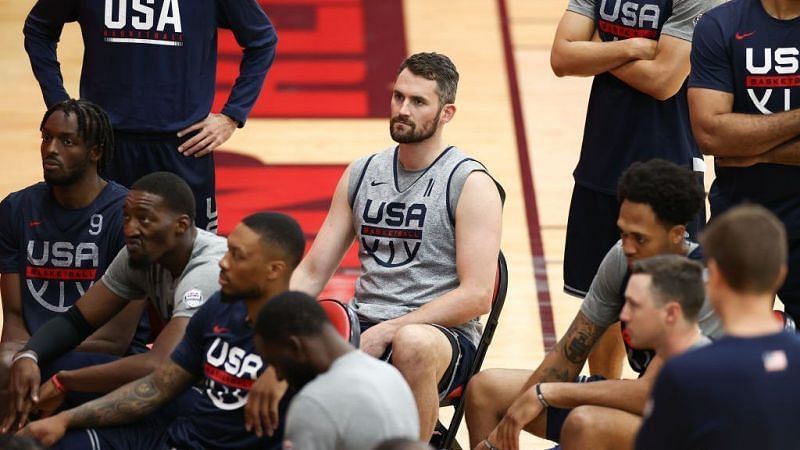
138, 154
557, 416
149, 433
73, 361
592, 231
460, 368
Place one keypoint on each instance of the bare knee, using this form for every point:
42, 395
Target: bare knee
578, 425
413, 349
482, 390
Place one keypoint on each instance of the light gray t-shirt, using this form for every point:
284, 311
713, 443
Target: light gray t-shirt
357, 404
680, 24
178, 297
605, 298
404, 223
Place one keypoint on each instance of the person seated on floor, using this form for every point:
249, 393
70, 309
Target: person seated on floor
163, 410
346, 399
59, 236
657, 199
166, 260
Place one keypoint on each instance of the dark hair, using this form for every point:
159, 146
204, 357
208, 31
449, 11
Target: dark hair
94, 127
402, 444
279, 229
437, 67
176, 193
290, 313
673, 192
748, 244
675, 278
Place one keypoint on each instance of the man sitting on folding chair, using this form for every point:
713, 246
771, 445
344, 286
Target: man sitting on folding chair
427, 219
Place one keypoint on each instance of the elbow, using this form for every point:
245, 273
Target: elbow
482, 300
706, 141
558, 64
662, 93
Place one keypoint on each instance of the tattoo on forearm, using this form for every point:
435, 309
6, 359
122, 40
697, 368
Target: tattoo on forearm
553, 374
132, 401
580, 339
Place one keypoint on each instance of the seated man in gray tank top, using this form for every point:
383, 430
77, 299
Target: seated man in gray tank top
427, 220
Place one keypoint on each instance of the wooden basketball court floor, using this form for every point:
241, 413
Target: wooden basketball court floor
514, 115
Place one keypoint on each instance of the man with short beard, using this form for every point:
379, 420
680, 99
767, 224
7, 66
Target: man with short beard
427, 219
161, 410
166, 260
59, 236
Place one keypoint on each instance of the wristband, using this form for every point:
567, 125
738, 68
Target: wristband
30, 354
540, 396
58, 384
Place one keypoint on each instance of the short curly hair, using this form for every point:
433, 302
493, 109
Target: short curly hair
674, 192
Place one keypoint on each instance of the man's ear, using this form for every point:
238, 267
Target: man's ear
183, 224
677, 234
674, 312
448, 112
276, 269
96, 153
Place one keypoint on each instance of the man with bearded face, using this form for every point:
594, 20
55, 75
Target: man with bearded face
166, 260
160, 410
427, 219
59, 237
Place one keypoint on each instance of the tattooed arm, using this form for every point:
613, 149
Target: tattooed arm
565, 361
124, 405
562, 363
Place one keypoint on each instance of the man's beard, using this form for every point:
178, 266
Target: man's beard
142, 263
239, 295
68, 178
414, 136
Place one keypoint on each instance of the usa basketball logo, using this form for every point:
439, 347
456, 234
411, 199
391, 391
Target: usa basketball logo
392, 231
60, 270
143, 22
230, 373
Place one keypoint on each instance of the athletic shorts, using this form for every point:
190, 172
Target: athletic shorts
592, 231
557, 416
460, 368
73, 361
138, 154
148, 433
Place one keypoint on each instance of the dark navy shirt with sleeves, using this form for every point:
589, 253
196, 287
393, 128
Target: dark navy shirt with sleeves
218, 348
737, 393
740, 49
152, 65
57, 252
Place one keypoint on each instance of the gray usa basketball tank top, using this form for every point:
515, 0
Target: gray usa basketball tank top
405, 228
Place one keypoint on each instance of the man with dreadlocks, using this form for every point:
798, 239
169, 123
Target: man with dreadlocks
57, 237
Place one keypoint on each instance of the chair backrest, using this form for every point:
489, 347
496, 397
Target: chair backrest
343, 319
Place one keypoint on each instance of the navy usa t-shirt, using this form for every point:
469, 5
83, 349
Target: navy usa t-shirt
740, 49
218, 348
737, 393
624, 125
57, 252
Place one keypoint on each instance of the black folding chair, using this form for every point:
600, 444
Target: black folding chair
445, 438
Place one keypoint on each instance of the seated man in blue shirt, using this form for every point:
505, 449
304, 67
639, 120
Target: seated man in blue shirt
161, 410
